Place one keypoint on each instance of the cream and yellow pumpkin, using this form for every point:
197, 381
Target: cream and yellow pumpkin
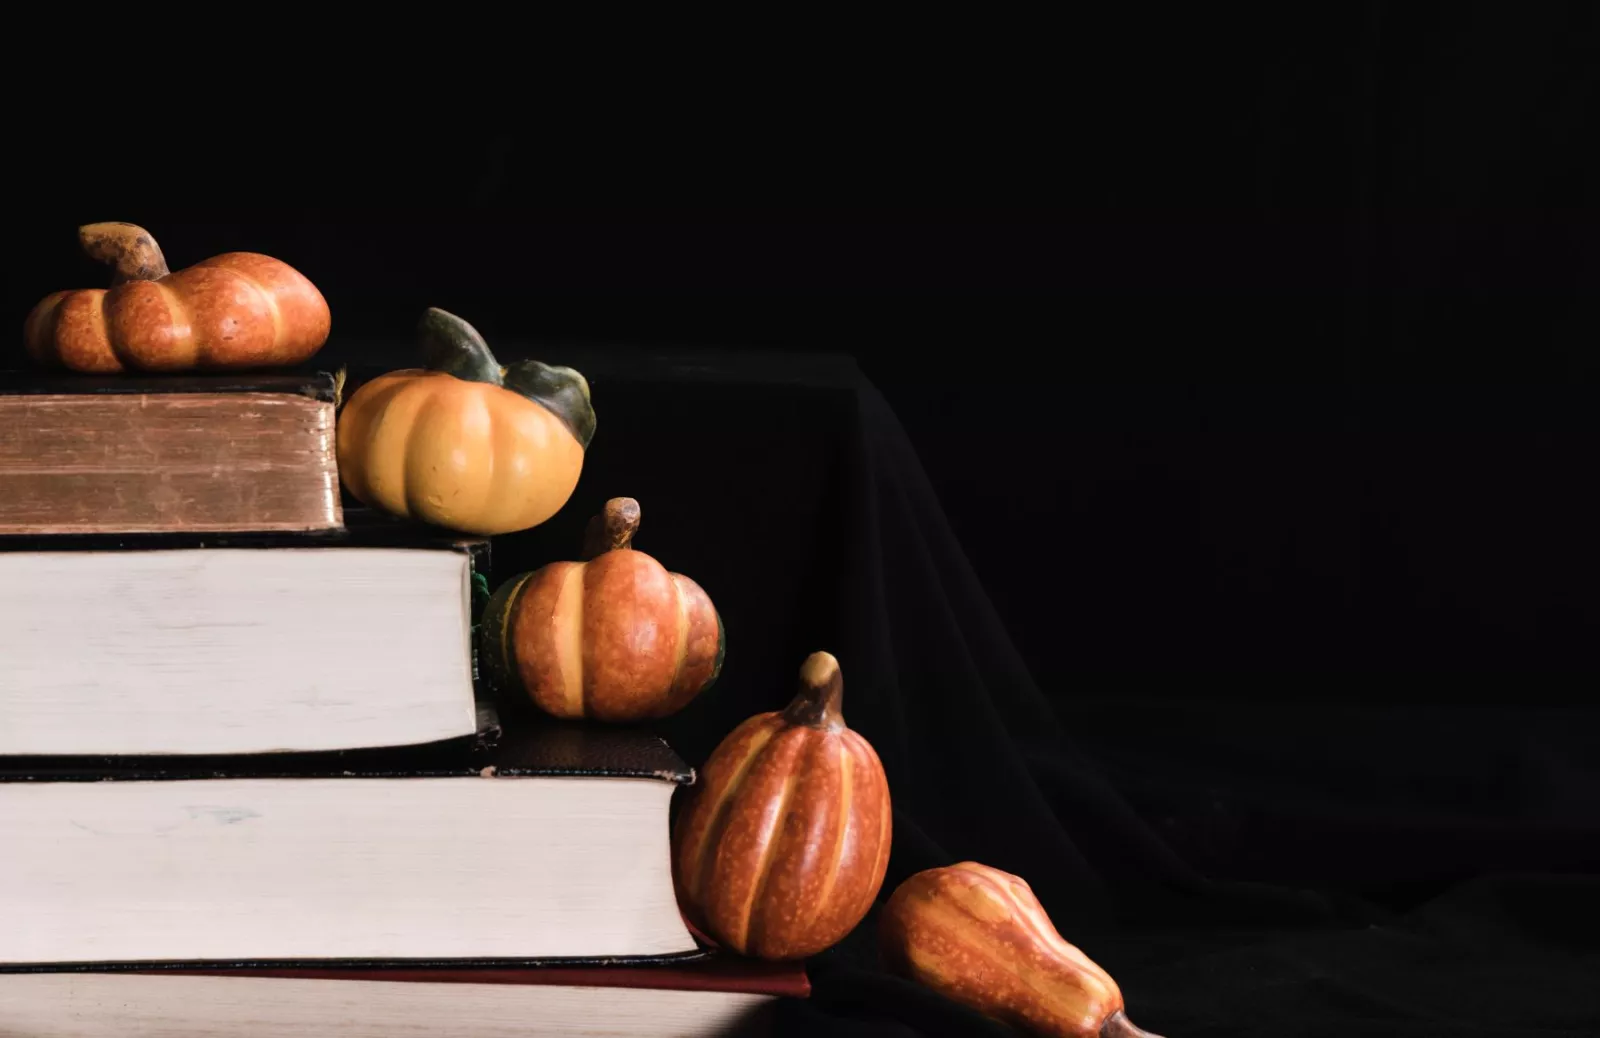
464, 443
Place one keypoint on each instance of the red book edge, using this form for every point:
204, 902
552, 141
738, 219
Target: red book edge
719, 971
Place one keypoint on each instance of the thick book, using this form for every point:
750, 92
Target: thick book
552, 843
152, 454
717, 997
238, 643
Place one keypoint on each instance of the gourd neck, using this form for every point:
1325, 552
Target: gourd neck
130, 250
818, 703
613, 529
1118, 1025
454, 347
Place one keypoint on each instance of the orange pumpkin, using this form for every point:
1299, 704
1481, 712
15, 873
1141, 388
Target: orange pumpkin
784, 842
612, 638
464, 443
979, 937
237, 310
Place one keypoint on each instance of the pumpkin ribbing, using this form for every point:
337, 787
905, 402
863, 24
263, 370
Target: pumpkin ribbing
465, 453
980, 937
614, 637
586, 658
786, 841
236, 310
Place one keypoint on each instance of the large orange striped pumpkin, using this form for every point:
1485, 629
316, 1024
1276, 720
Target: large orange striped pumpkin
784, 842
979, 936
615, 637
236, 310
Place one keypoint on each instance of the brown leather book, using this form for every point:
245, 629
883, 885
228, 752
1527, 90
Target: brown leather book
167, 454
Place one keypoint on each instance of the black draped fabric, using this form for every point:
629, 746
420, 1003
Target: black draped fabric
1234, 864
1270, 433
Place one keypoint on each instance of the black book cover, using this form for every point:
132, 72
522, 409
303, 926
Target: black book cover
363, 528
527, 749
318, 385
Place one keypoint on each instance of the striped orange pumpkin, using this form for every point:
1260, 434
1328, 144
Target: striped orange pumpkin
979, 937
784, 842
236, 310
612, 638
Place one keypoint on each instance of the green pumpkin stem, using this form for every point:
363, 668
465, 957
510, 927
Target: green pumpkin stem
613, 529
451, 345
562, 391
454, 347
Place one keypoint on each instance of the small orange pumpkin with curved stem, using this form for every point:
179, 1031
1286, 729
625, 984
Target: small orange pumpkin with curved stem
614, 637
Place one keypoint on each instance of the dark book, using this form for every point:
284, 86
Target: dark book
549, 844
192, 453
169, 643
719, 995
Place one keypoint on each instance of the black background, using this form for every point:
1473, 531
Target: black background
1250, 368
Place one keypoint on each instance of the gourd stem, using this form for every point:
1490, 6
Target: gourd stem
612, 529
817, 704
1118, 1025
130, 250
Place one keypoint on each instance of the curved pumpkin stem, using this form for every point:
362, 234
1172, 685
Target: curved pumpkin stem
130, 250
451, 345
817, 705
1118, 1025
613, 529
563, 391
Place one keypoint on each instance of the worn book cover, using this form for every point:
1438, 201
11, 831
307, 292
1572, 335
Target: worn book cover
148, 454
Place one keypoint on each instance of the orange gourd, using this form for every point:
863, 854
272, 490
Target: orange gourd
615, 637
237, 310
784, 842
464, 443
979, 937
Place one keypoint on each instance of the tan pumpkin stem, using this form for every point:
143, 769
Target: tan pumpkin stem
130, 250
1118, 1025
612, 529
817, 705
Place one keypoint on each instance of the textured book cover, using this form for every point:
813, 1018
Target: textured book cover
150, 454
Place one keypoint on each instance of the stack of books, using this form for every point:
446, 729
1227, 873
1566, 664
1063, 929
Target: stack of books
250, 783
